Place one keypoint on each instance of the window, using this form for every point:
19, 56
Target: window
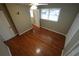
44, 13
50, 14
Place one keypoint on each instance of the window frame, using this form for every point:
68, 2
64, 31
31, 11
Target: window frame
49, 14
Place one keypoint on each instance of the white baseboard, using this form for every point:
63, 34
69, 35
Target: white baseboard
9, 51
19, 34
25, 31
54, 31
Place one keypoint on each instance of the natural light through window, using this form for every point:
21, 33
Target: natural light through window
50, 14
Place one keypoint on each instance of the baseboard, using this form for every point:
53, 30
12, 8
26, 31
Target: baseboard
25, 31
9, 51
19, 34
54, 31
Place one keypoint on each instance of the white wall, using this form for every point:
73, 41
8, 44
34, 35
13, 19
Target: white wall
74, 28
22, 20
66, 17
1, 38
36, 18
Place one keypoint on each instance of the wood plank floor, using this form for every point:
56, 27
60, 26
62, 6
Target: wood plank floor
37, 42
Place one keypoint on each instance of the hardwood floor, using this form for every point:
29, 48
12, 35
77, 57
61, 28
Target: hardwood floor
37, 42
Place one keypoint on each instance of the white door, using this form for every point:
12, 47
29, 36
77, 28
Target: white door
5, 29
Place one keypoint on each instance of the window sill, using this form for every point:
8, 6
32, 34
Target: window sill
49, 20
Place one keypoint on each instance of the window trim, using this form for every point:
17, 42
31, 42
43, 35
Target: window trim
49, 13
